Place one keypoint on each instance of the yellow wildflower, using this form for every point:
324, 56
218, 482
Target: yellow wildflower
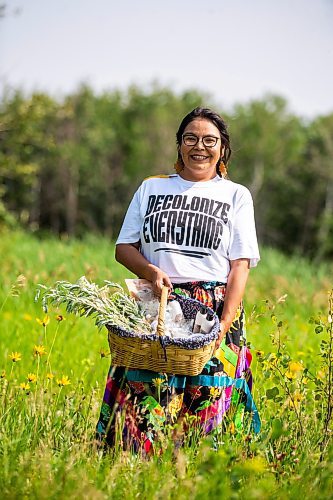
59, 318
260, 353
50, 376
15, 356
24, 386
214, 392
32, 377
27, 317
291, 375
39, 350
3, 374
45, 321
158, 382
296, 366
64, 380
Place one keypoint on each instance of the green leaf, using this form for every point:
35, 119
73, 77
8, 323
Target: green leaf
277, 429
272, 393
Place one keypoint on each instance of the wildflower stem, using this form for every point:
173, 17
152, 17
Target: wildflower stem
286, 387
53, 341
329, 382
4, 302
37, 374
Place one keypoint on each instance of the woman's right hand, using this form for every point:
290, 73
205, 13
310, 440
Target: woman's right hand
159, 279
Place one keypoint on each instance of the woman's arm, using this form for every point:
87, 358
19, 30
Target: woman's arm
129, 256
237, 278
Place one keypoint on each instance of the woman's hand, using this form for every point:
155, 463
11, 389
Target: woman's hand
234, 293
159, 279
223, 330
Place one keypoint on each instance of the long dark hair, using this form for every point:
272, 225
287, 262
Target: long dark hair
216, 119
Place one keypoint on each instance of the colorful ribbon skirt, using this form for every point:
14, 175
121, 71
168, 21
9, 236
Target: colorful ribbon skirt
139, 404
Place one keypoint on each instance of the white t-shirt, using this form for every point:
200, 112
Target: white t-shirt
191, 230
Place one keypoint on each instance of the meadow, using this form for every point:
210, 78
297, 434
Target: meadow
53, 369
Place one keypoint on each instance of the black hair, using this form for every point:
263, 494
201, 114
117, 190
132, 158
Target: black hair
216, 119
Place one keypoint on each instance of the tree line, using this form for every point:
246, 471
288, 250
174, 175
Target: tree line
71, 165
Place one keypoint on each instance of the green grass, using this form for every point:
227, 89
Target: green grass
47, 444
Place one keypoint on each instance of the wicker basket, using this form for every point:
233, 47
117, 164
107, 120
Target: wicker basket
160, 353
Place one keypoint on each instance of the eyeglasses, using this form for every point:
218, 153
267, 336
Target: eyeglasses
209, 141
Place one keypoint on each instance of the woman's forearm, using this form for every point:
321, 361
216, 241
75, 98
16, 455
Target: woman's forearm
130, 257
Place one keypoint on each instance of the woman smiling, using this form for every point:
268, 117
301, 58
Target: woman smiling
193, 232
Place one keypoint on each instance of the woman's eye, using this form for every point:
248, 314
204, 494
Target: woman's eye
190, 139
210, 141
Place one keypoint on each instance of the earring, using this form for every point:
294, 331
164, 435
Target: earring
221, 168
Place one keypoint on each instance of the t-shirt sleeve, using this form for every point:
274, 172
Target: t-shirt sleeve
130, 230
243, 237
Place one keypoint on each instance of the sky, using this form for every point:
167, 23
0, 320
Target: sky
234, 50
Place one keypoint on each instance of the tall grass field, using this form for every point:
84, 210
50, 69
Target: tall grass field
53, 370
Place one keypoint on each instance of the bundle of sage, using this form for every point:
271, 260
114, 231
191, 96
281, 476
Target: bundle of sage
108, 304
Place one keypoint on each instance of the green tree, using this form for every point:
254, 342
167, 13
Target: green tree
320, 199
268, 143
27, 141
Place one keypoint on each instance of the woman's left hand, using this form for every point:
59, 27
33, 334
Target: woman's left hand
223, 331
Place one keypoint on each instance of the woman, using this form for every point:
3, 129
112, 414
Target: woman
193, 232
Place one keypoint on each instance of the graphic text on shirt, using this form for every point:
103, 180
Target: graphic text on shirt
185, 221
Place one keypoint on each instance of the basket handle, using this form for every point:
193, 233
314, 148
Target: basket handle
161, 311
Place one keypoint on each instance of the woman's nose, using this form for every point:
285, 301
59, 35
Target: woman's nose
200, 144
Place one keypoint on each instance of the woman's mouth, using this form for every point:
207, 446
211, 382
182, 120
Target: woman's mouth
199, 157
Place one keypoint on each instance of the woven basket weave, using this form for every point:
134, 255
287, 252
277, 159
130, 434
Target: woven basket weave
160, 353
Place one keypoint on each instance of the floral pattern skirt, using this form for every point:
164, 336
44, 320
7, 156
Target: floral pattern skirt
139, 404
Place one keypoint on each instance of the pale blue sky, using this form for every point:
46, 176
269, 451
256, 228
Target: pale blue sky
234, 49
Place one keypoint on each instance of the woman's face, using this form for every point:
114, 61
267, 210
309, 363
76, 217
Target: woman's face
200, 159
